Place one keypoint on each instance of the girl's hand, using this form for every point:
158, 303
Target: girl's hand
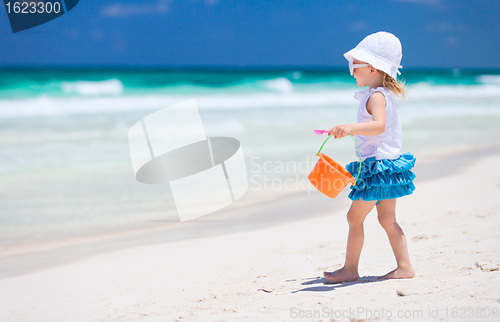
341, 131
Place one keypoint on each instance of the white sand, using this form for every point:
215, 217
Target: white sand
453, 229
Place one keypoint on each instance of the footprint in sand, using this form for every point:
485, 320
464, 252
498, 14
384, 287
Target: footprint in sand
420, 237
487, 266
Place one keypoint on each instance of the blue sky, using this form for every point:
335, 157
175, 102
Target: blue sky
239, 33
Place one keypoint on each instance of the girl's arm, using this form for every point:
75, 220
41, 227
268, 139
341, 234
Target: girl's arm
376, 107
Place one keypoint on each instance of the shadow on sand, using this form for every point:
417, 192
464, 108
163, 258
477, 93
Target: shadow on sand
331, 286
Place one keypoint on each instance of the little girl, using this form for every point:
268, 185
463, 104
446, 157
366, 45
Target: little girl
385, 172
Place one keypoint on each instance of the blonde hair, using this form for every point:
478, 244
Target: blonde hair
396, 87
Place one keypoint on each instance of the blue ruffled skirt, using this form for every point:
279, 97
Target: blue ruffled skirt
382, 179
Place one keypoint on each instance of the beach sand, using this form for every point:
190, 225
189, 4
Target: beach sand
274, 272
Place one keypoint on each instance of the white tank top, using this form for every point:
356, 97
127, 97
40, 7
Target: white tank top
388, 144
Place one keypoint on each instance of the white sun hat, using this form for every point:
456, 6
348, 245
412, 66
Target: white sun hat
381, 50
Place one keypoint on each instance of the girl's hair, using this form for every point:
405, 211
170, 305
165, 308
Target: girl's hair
396, 87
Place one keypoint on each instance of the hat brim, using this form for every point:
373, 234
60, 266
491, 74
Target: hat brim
367, 57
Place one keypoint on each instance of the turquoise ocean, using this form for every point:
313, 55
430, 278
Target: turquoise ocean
64, 160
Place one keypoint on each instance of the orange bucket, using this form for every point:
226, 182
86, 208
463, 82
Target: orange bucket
328, 176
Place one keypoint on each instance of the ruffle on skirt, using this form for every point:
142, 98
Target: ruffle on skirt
382, 179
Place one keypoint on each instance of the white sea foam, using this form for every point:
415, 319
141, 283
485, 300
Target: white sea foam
280, 84
489, 79
425, 91
44, 105
94, 88
421, 93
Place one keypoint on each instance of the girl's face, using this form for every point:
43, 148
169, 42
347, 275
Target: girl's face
362, 74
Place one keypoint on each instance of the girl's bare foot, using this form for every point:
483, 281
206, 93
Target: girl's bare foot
399, 273
341, 275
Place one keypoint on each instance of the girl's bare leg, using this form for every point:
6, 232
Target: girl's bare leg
355, 218
386, 210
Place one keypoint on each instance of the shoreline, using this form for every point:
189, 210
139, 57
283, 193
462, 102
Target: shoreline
249, 215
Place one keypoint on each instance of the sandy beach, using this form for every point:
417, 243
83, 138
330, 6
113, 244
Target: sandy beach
275, 272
